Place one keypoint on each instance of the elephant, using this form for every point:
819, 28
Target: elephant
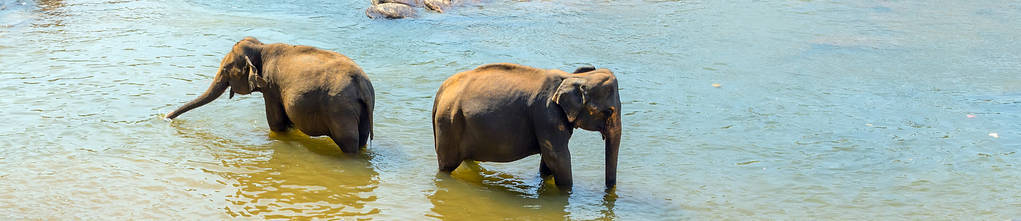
390, 10
316, 91
504, 112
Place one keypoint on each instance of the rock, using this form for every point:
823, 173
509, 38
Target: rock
390, 11
412, 3
438, 5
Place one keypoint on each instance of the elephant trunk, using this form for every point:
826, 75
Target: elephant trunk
611, 135
215, 90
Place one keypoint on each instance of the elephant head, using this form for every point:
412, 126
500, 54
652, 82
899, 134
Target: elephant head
239, 70
590, 101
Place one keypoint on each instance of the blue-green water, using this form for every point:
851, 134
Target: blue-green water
824, 110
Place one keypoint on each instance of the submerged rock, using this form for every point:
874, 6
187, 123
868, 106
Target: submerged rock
390, 11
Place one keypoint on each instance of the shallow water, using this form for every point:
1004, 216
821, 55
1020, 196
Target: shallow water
825, 110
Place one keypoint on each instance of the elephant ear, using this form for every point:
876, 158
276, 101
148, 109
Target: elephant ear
570, 96
254, 79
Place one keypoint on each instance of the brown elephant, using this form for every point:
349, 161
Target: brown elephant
504, 112
317, 91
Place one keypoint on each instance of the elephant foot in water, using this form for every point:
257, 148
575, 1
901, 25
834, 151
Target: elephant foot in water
390, 11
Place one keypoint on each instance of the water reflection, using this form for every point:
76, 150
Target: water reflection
54, 14
609, 202
294, 176
50, 5
474, 193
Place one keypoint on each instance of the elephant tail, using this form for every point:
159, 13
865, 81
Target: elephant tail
365, 134
367, 118
368, 101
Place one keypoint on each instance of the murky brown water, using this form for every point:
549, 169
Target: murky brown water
825, 110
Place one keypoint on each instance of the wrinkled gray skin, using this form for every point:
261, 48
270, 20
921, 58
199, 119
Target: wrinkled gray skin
390, 11
317, 91
505, 112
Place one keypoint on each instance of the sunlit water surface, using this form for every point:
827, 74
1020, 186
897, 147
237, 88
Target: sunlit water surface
824, 110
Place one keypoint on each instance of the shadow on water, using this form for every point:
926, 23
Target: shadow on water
292, 176
474, 193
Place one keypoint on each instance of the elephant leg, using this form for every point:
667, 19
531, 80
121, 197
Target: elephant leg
276, 116
446, 153
449, 165
447, 131
345, 134
553, 139
544, 170
559, 163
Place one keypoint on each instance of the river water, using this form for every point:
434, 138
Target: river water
823, 110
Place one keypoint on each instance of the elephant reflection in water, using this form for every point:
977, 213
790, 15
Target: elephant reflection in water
293, 176
317, 182
474, 193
